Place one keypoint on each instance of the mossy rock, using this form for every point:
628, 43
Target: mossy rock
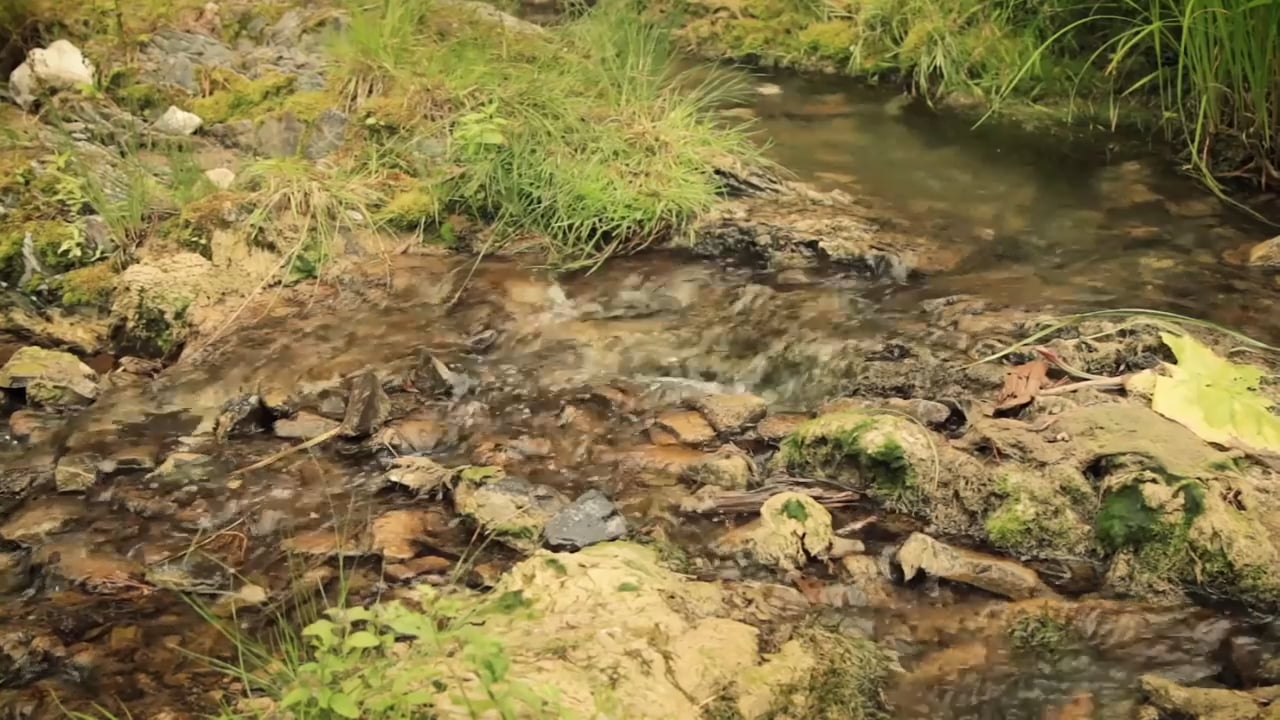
1170, 534
91, 286
55, 244
887, 456
1043, 513
512, 510
412, 209
791, 529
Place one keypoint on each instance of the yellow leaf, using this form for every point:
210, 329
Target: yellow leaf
1216, 398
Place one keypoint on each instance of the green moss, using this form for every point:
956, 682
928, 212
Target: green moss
412, 209
1041, 634
90, 286
240, 98
866, 446
55, 244
1039, 514
308, 104
831, 40
846, 683
1125, 521
11, 264
156, 332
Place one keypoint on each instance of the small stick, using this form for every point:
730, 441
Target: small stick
287, 452
856, 525
1106, 383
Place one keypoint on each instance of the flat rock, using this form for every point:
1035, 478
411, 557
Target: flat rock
399, 534
220, 178
426, 565
658, 464
76, 473
95, 570
687, 427
181, 468
327, 543
39, 519
514, 510
32, 426
1266, 253
51, 378
995, 575
731, 413
1192, 703
417, 433
775, 428
590, 519
303, 426
135, 457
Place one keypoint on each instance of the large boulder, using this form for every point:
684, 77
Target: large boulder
61, 66
51, 378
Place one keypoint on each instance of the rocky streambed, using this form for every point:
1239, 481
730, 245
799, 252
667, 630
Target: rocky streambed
795, 465
759, 433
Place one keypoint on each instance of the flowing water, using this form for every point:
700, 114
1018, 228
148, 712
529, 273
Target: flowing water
567, 371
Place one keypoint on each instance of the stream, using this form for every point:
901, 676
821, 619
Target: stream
563, 378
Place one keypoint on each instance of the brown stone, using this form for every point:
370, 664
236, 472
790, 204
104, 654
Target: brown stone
46, 516
303, 426
428, 565
76, 473
1266, 253
728, 468
687, 426
31, 426
987, 572
397, 535
414, 434
732, 413
775, 428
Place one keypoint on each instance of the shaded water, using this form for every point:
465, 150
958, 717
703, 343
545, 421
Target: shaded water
577, 368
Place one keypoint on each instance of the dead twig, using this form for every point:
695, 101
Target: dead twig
1101, 383
857, 525
322, 437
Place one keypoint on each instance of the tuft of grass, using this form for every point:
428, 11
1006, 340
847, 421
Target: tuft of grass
586, 137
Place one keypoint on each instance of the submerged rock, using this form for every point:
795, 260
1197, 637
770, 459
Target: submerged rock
419, 474
687, 427
995, 575
515, 511
181, 468
303, 426
590, 519
42, 518
76, 473
400, 534
50, 378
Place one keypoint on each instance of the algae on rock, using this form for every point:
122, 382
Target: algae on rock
791, 529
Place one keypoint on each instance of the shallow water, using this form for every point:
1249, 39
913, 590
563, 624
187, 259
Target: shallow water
579, 364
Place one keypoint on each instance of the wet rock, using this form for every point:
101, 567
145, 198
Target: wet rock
176, 121
131, 458
76, 473
51, 378
399, 534
513, 510
367, 406
1266, 253
15, 571
244, 415
728, 468
39, 519
97, 571
590, 519
995, 575
418, 433
61, 66
687, 427
26, 655
220, 178
31, 426
181, 468
930, 413
776, 427
427, 565
658, 464
731, 413
419, 474
325, 134
1250, 662
866, 584
791, 529
327, 543
303, 426
1191, 703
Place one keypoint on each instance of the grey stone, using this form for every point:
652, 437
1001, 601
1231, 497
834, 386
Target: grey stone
590, 519
176, 121
326, 134
179, 70
279, 135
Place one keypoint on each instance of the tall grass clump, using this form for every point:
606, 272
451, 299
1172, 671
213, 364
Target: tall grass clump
1214, 65
585, 137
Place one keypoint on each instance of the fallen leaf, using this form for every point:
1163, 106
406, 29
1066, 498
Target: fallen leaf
1216, 398
1022, 384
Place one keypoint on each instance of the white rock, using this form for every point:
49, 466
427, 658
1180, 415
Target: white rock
59, 66
221, 178
176, 121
